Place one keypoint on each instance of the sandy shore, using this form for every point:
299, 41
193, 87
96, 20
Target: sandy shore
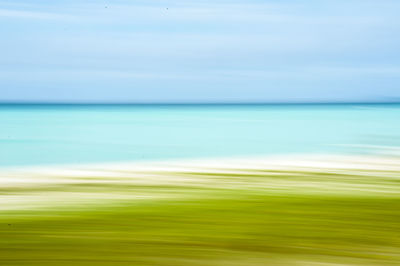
33, 187
298, 210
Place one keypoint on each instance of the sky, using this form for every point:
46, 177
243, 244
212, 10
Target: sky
199, 51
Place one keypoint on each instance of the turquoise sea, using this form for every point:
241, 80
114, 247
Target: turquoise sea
35, 134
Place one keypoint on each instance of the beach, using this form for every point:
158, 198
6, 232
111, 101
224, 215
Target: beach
288, 210
53, 185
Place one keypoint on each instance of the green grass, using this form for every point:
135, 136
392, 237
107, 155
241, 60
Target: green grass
210, 226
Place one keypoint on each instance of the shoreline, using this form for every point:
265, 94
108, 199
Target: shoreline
101, 184
273, 162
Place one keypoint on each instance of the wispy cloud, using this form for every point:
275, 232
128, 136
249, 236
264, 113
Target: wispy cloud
178, 11
23, 14
297, 72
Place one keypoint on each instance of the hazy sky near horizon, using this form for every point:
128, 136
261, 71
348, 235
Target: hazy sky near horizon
199, 51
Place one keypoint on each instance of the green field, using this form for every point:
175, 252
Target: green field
252, 217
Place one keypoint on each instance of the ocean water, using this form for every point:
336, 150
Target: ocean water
70, 134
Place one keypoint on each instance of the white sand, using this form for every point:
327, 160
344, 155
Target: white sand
33, 187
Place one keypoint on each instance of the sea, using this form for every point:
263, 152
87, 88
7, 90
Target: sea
49, 134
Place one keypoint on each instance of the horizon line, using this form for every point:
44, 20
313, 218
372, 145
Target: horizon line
194, 103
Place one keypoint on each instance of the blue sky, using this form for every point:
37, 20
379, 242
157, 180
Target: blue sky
199, 51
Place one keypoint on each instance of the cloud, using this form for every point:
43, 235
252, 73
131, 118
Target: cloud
22, 14
123, 12
296, 72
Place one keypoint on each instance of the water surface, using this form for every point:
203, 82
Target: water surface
57, 134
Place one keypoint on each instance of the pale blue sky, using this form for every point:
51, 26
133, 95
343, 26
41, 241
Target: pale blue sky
199, 51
